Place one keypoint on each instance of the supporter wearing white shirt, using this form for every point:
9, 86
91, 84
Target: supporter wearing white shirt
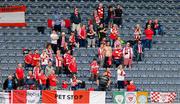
54, 38
120, 77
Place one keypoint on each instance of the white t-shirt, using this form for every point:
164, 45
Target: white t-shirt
119, 76
54, 38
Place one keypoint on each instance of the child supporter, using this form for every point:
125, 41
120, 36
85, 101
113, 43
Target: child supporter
94, 70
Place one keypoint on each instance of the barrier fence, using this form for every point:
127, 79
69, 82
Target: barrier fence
83, 97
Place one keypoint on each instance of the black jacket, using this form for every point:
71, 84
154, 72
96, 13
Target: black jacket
75, 19
60, 40
5, 84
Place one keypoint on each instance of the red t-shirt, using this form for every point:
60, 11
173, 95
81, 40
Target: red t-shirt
149, 33
73, 66
20, 73
42, 77
28, 59
51, 82
82, 33
131, 87
64, 85
117, 53
94, 67
67, 59
35, 62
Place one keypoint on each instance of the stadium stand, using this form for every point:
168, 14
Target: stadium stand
160, 69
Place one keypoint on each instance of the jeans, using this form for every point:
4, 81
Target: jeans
148, 43
82, 42
139, 57
42, 87
91, 42
120, 84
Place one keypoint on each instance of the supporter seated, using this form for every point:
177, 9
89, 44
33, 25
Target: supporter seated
75, 83
104, 81
9, 84
30, 81
131, 86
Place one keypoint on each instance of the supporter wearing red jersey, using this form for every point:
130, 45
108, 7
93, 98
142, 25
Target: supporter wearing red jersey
149, 35
82, 36
52, 81
42, 80
94, 69
59, 62
117, 55
114, 33
20, 76
75, 82
64, 85
36, 71
67, 59
100, 12
73, 66
131, 86
36, 58
96, 19
28, 60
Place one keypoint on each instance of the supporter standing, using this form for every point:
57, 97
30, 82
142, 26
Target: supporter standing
110, 17
75, 20
139, 51
36, 58
82, 36
49, 68
44, 59
108, 55
114, 33
101, 32
94, 70
149, 35
128, 55
52, 80
42, 80
54, 38
57, 22
101, 54
118, 15
20, 76
91, 37
120, 77
137, 33
117, 55
72, 42
100, 12
62, 42
28, 60
49, 52
59, 63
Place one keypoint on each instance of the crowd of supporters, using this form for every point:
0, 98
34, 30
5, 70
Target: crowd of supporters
42, 69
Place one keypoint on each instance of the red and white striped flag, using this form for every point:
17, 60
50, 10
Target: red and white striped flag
13, 16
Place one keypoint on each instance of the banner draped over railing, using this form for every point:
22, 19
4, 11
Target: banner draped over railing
83, 97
